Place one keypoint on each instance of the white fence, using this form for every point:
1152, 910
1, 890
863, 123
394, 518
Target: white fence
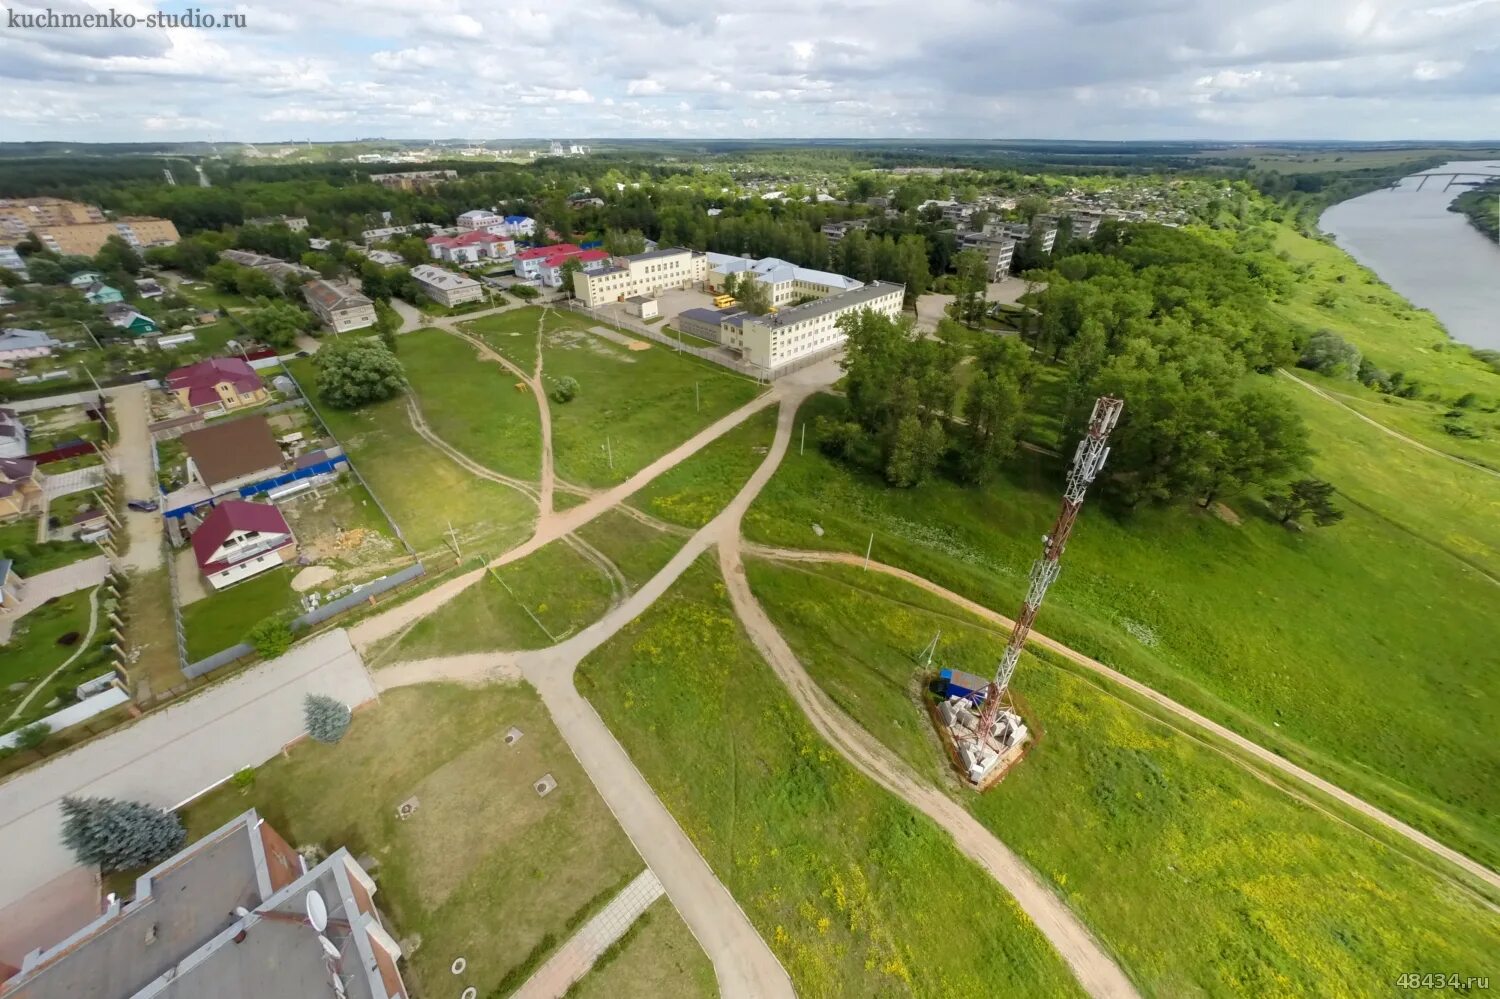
71, 715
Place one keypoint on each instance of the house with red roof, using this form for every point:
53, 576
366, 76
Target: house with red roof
545, 263
471, 247
219, 382
240, 539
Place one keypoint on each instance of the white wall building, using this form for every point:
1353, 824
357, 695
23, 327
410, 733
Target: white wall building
785, 282
774, 341
446, 287
641, 274
341, 309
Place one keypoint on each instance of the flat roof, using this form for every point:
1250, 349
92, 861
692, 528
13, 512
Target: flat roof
670, 251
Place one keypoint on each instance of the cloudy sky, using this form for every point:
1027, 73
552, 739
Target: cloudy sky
1090, 69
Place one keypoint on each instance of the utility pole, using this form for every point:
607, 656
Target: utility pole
697, 403
453, 540
609, 453
91, 335
869, 548
803, 446
931, 649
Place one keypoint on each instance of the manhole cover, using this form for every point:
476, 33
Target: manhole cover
545, 784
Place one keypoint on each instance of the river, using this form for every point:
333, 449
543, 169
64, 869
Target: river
1432, 256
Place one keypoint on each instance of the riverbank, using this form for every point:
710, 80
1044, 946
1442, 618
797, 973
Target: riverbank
1481, 206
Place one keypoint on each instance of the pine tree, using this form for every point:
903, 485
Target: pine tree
327, 718
119, 835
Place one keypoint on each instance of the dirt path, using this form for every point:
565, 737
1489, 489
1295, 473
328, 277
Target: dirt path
1244, 745
419, 424
475, 668
1315, 390
132, 415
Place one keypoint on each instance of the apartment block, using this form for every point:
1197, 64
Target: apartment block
341, 309
998, 252
835, 232
646, 274
414, 180
86, 238
776, 340
19, 216
1083, 225
446, 287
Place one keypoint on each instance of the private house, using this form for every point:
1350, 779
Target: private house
122, 316
217, 383
22, 345
471, 247
100, 293
446, 287
229, 454
149, 288
13, 435
545, 263
341, 309
21, 487
238, 913
239, 539
83, 279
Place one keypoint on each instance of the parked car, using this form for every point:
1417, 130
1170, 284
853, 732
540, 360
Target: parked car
144, 506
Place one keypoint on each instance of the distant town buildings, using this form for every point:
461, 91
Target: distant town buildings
19, 216
545, 263
471, 247
414, 180
835, 232
446, 287
296, 223
386, 232
238, 913
341, 309
278, 269
11, 260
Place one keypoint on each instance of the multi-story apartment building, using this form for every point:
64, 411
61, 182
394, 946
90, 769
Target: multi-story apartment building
86, 238
639, 274
835, 232
11, 260
470, 247
1083, 225
776, 340
18, 216
1021, 232
998, 252
785, 282
341, 309
446, 287
414, 180
545, 263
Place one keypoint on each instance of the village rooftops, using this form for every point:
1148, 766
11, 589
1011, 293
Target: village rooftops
232, 449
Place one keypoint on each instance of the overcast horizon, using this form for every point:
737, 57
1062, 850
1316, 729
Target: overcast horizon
1076, 70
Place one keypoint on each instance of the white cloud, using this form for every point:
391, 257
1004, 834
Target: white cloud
962, 68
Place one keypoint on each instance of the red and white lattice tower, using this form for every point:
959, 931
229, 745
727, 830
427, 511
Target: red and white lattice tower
1087, 461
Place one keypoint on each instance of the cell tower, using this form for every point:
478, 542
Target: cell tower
975, 717
1087, 461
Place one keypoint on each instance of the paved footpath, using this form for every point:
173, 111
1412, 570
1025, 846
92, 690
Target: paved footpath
575, 957
84, 574
170, 755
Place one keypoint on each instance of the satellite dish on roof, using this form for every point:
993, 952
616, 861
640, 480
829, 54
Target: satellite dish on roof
328, 947
317, 911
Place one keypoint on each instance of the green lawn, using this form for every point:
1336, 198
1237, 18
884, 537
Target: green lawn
34, 651
638, 550
485, 869
562, 589
695, 491
690, 339
657, 957
856, 894
1268, 895
152, 633
473, 404
422, 489
513, 334
1312, 643
225, 617
632, 406
18, 543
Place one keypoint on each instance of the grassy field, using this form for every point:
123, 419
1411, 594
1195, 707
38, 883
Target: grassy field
695, 491
1268, 894
485, 868
640, 404
856, 894
35, 650
225, 617
562, 589
1252, 624
638, 550
472, 403
18, 543
513, 334
657, 957
420, 487
1395, 336
149, 627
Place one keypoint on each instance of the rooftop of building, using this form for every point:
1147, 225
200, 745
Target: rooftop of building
853, 298
439, 278
14, 338
670, 251
230, 449
225, 519
328, 295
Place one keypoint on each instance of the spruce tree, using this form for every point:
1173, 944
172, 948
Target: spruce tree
119, 835
327, 718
